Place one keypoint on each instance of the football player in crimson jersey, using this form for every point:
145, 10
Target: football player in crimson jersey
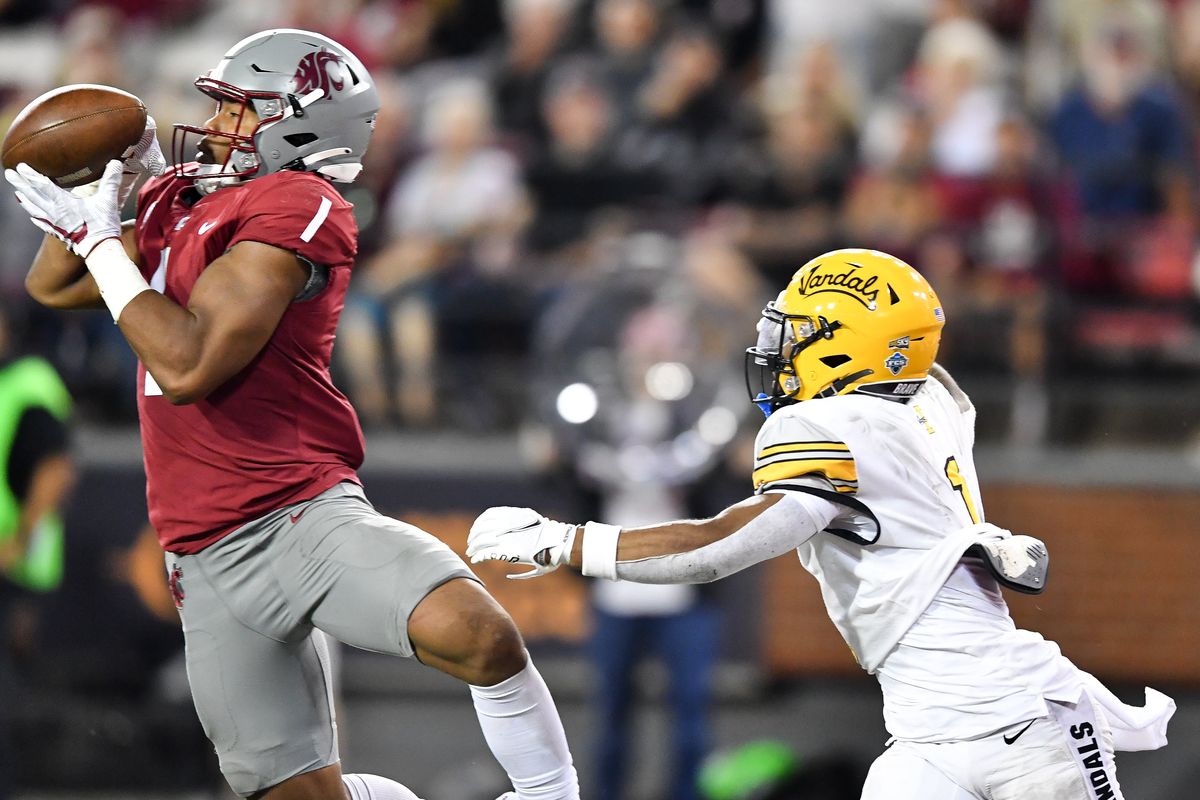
864, 469
228, 286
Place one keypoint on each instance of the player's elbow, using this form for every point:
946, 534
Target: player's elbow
183, 389
33, 289
183, 377
183, 397
42, 295
180, 398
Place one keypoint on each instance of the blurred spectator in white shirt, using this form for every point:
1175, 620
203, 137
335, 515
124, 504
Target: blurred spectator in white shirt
453, 219
958, 78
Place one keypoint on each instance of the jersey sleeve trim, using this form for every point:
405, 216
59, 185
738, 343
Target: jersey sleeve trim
787, 460
852, 503
318, 219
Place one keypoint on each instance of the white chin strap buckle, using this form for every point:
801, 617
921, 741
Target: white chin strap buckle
213, 177
1019, 562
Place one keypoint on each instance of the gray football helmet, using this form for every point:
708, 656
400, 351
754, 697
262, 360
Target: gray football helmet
316, 106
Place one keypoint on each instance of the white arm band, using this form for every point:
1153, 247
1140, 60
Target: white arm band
118, 278
600, 550
784, 526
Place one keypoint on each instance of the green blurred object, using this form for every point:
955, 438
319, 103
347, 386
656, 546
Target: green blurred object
28, 383
739, 773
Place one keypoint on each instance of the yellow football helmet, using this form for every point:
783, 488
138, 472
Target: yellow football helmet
849, 321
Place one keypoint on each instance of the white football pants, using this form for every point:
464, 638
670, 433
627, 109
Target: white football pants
1066, 755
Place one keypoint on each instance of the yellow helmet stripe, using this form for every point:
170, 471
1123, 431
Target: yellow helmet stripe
840, 472
802, 447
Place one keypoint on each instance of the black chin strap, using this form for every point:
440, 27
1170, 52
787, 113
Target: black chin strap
842, 382
825, 331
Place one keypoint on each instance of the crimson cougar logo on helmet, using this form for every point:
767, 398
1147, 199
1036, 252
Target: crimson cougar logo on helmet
313, 73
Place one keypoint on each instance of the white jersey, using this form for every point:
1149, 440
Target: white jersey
927, 620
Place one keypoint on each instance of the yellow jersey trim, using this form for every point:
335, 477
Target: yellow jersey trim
803, 447
841, 473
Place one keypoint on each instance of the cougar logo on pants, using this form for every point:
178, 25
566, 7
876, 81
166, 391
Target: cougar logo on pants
175, 584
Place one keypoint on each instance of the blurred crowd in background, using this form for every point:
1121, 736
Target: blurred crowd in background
536, 161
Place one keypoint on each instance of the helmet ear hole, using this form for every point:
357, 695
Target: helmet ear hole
833, 362
300, 139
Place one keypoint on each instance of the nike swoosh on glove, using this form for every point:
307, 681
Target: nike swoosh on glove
520, 536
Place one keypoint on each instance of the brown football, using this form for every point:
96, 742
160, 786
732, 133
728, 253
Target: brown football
70, 133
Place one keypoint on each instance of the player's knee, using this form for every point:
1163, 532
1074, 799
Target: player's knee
498, 652
462, 631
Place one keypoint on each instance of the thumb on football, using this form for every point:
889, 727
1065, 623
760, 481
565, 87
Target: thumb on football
112, 174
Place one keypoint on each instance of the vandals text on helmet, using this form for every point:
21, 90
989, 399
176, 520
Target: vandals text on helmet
850, 282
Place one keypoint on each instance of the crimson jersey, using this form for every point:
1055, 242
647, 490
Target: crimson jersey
279, 431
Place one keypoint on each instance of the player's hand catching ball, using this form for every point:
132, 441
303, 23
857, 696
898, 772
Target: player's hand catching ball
145, 157
520, 536
80, 220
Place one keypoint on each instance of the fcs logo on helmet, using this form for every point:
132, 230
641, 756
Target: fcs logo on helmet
896, 362
842, 316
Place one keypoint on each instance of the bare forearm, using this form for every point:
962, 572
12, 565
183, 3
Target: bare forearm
686, 551
683, 536
59, 279
651, 540
700, 552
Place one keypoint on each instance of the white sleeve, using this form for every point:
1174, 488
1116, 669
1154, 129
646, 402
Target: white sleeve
784, 526
796, 448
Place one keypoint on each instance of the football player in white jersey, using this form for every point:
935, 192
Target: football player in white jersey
864, 467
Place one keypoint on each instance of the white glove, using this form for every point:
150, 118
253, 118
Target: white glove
520, 536
82, 222
144, 157
1018, 561
41, 210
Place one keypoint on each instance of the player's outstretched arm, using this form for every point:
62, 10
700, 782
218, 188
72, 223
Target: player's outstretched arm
683, 551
